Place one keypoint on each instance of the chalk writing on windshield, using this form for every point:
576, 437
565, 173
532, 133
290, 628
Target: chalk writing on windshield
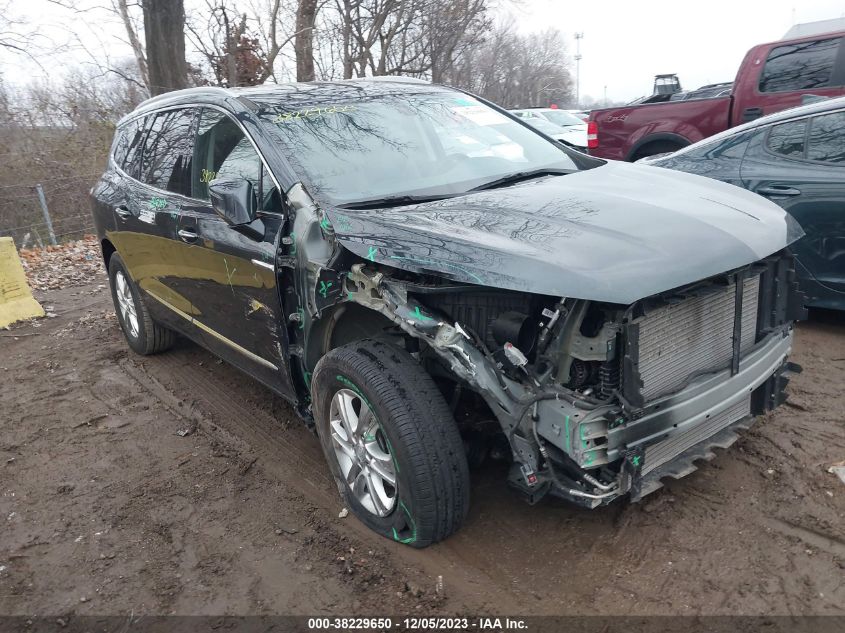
311, 113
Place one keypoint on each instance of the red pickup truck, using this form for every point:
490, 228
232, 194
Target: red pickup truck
772, 77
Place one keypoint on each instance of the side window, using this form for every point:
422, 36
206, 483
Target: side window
827, 138
169, 150
222, 150
127, 151
799, 66
788, 138
123, 137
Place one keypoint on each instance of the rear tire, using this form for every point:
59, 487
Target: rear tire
144, 335
407, 435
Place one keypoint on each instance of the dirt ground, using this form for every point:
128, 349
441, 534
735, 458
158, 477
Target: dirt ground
175, 484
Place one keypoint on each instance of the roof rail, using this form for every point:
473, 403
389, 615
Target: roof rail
165, 96
397, 78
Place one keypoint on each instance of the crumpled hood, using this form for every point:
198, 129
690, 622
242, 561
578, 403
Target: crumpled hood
615, 233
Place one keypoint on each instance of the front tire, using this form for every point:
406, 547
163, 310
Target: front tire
144, 335
391, 442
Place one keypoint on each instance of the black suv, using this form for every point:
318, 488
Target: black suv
424, 277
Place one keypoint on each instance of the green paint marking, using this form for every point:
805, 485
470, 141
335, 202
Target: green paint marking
307, 377
157, 203
349, 295
419, 316
371, 254
324, 288
413, 526
343, 222
325, 224
568, 442
301, 313
635, 461
369, 438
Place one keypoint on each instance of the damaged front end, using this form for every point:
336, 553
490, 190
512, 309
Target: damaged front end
598, 400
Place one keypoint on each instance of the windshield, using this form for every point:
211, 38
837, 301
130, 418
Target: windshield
430, 142
562, 117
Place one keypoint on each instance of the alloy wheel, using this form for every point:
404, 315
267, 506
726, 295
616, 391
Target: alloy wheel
126, 304
363, 452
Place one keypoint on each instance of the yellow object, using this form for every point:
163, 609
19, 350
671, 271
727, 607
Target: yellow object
16, 300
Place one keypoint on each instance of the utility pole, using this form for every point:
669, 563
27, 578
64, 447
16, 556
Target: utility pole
578, 38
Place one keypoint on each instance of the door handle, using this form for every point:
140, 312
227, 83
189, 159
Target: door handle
187, 235
776, 191
123, 212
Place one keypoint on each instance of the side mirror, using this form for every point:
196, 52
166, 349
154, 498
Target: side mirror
233, 199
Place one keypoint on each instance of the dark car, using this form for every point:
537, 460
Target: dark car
796, 158
423, 276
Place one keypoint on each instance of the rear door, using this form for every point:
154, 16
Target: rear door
154, 253
789, 73
800, 165
112, 193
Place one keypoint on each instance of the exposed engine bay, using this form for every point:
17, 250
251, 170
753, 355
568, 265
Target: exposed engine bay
595, 399
591, 400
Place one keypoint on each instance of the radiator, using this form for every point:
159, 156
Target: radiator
694, 336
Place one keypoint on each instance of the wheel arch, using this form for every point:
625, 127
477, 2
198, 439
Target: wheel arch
108, 250
661, 137
340, 325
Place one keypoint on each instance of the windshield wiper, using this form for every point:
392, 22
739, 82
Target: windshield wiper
394, 201
519, 176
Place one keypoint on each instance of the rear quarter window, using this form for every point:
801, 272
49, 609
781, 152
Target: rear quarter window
787, 139
826, 142
128, 144
802, 66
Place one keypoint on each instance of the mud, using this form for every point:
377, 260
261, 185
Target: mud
176, 484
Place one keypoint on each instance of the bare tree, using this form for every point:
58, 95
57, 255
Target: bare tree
306, 16
515, 70
164, 26
122, 9
227, 43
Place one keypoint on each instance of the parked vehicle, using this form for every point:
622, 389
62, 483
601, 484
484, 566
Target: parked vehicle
576, 128
796, 158
772, 77
576, 140
416, 301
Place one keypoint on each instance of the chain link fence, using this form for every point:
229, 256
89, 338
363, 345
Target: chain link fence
40, 214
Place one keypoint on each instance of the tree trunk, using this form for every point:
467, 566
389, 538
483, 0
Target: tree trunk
306, 15
164, 29
137, 49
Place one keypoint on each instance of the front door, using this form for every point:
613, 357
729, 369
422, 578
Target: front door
230, 279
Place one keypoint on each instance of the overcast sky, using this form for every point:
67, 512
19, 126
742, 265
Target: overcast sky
625, 43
